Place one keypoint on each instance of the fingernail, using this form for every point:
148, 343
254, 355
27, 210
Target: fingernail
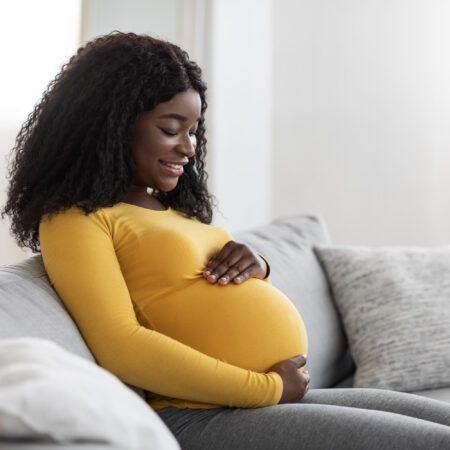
238, 278
212, 277
207, 272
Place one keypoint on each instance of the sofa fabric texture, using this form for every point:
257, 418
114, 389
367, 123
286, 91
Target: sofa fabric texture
395, 306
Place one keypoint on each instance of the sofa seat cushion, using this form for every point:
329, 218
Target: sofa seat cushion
442, 394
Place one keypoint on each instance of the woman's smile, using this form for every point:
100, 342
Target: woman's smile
172, 169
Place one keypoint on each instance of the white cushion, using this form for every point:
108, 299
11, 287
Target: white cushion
48, 393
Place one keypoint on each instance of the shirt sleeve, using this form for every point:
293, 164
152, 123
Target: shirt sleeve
81, 263
267, 277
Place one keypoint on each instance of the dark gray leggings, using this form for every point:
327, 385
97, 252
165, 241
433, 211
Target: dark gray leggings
345, 418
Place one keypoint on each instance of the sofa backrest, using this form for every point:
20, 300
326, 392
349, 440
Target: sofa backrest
287, 243
29, 306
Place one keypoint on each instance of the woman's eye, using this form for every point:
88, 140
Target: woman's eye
168, 132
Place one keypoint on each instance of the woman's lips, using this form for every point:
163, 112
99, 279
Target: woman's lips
171, 170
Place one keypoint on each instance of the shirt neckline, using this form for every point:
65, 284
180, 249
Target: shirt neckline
157, 211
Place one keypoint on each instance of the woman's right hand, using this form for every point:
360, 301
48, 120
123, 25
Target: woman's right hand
295, 382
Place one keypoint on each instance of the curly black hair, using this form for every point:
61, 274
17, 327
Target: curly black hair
75, 147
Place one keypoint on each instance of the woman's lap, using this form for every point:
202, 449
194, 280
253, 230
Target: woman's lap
347, 418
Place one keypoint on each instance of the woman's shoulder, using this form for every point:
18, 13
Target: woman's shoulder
75, 216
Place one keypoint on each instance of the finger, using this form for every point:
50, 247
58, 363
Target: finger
247, 273
236, 264
213, 262
222, 268
299, 360
223, 254
228, 275
217, 272
233, 271
220, 256
210, 273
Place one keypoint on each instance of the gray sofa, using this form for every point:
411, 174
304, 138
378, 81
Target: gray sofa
30, 307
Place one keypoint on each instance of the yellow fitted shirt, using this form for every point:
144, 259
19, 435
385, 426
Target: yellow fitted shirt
131, 278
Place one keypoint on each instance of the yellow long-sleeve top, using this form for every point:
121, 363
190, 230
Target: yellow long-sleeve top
131, 278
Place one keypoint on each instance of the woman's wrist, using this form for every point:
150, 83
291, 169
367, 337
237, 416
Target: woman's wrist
267, 266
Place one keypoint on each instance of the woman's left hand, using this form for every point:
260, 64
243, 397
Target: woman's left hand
235, 262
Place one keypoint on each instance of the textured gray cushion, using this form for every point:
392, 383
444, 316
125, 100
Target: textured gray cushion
29, 306
395, 306
295, 270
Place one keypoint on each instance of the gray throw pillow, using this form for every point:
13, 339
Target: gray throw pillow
395, 307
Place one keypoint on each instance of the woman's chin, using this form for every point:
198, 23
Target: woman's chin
168, 186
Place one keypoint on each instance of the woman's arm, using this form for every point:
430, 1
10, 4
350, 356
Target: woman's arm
81, 263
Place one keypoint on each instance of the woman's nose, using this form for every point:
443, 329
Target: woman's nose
188, 147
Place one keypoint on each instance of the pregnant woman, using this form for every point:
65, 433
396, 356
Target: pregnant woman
108, 182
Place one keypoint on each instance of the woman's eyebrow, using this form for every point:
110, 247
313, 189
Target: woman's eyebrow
175, 116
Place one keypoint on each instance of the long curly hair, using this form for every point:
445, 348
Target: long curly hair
75, 147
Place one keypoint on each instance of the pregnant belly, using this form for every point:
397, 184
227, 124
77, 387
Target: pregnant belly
252, 325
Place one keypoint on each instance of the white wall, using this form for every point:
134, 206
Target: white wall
240, 117
157, 17
336, 108
36, 38
362, 114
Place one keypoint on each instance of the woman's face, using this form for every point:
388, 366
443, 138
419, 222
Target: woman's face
166, 134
